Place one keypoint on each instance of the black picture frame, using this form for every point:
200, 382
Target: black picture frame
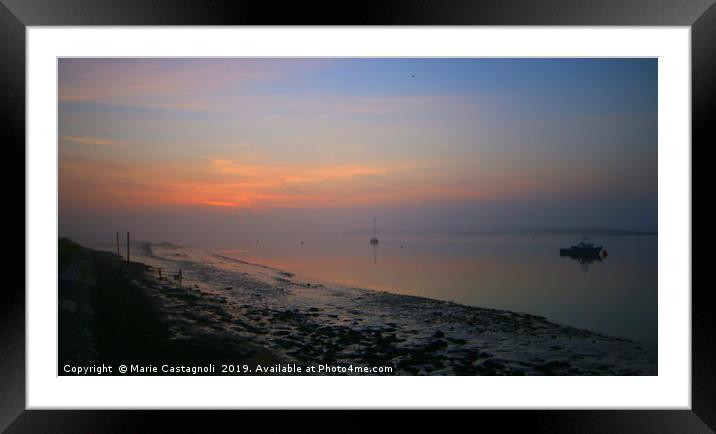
16, 15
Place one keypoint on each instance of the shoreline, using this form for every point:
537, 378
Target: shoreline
356, 286
268, 317
112, 307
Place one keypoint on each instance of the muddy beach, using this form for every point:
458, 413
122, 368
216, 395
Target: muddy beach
229, 311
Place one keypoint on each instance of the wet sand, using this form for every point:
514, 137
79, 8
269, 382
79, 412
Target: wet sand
229, 311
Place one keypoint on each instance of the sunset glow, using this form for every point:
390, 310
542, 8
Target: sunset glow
262, 134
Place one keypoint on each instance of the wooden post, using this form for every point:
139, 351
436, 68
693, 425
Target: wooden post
127, 247
118, 244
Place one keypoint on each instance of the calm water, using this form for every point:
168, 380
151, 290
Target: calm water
524, 273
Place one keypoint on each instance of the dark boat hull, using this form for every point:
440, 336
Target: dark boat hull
581, 251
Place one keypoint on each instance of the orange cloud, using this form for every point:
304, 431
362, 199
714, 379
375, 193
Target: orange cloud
256, 182
249, 183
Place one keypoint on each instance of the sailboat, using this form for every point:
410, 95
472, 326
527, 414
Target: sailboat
374, 240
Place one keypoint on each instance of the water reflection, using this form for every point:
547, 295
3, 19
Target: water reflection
505, 271
584, 259
374, 242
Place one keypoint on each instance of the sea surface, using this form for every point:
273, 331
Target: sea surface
519, 272
513, 271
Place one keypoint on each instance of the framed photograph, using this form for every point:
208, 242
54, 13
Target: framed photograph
450, 206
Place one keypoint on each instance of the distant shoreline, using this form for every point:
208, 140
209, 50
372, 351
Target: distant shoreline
536, 231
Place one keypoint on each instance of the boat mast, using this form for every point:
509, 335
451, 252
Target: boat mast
374, 240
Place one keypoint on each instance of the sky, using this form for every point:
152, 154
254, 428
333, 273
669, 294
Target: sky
191, 150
